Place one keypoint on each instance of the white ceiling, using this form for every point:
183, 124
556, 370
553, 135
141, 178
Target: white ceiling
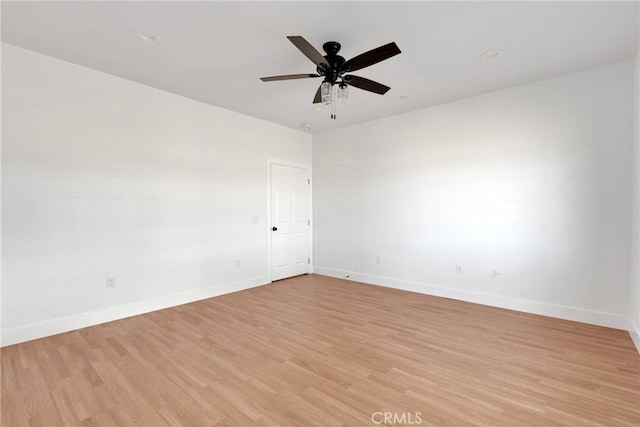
215, 52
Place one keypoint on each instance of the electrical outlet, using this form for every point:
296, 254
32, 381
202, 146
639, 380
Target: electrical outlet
111, 282
256, 219
377, 259
494, 273
458, 269
237, 263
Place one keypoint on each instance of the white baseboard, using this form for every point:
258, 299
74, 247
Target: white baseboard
634, 331
600, 318
69, 323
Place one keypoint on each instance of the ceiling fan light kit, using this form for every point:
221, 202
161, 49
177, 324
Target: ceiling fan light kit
333, 68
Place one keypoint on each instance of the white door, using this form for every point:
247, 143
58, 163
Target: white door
290, 221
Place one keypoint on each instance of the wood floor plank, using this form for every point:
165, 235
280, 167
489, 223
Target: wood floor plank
319, 351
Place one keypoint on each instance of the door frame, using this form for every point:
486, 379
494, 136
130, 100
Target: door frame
273, 161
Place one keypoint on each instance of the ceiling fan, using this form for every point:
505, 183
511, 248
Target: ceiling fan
333, 68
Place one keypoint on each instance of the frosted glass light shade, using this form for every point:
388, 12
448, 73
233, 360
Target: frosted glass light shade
343, 92
325, 92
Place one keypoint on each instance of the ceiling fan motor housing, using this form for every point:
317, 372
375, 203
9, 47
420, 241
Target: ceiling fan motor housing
334, 71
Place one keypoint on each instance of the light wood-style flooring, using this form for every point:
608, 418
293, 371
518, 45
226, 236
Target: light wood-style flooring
318, 351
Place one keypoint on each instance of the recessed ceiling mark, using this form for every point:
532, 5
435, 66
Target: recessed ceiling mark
146, 36
492, 54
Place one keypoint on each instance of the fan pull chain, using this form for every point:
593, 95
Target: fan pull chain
333, 102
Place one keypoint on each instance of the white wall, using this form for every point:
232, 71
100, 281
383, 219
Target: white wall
105, 177
533, 181
634, 299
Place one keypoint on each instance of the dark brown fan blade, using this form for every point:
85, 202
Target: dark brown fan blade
318, 98
371, 57
308, 50
288, 77
366, 84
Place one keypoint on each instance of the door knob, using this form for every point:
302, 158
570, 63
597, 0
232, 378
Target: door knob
274, 228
